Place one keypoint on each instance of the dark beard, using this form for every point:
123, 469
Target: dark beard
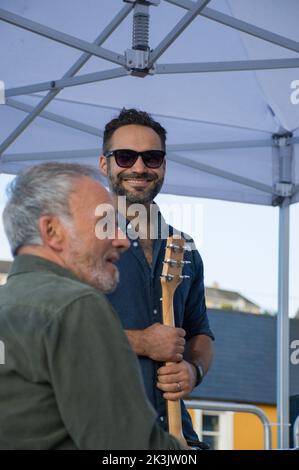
142, 197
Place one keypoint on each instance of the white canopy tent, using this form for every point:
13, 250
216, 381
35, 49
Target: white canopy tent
218, 74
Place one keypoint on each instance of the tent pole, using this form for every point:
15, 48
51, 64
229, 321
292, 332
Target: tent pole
283, 326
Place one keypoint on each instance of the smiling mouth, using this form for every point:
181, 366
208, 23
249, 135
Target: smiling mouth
138, 182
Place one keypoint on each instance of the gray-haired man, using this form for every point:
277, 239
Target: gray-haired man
70, 379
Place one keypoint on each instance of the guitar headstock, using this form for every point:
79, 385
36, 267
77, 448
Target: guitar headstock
173, 263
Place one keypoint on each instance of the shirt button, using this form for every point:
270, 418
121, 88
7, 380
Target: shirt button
161, 418
155, 311
135, 244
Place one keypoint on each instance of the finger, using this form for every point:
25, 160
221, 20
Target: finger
169, 369
176, 387
173, 368
169, 379
174, 396
181, 342
181, 332
179, 349
178, 358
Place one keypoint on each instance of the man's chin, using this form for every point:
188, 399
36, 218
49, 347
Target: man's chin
139, 196
105, 282
110, 283
136, 195
106, 287
110, 289
138, 199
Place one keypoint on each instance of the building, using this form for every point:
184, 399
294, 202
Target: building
4, 268
244, 371
217, 298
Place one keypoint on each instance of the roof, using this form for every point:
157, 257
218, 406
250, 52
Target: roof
215, 293
244, 367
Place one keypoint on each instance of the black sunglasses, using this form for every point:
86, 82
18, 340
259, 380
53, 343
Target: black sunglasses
126, 158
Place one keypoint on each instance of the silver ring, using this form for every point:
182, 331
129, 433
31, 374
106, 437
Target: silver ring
179, 386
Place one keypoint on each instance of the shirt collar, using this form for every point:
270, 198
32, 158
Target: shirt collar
30, 263
163, 230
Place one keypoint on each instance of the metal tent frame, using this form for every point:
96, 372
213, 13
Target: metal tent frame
140, 61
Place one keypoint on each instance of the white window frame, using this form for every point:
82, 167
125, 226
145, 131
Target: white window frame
225, 433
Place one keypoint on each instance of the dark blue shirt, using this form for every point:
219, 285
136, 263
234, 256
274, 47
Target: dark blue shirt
137, 301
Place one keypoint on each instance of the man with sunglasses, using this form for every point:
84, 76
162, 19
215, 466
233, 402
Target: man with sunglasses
134, 162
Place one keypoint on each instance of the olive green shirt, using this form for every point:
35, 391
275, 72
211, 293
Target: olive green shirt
70, 378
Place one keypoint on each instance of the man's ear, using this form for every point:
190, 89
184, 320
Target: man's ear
164, 166
52, 232
103, 165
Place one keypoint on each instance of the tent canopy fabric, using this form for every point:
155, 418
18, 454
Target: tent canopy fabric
220, 123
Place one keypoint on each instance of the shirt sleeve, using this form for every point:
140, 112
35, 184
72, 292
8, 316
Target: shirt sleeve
96, 380
195, 317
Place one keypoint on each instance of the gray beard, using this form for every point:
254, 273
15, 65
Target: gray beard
101, 280
91, 270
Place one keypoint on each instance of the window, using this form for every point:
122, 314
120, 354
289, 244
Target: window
210, 430
215, 428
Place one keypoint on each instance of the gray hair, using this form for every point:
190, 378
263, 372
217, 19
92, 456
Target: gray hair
40, 190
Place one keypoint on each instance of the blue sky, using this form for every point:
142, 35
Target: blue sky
238, 244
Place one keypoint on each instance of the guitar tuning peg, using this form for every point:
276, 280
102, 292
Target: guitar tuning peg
171, 262
174, 262
175, 247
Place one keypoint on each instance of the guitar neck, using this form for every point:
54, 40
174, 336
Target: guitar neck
174, 415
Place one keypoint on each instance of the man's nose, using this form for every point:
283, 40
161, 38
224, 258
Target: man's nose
139, 166
121, 241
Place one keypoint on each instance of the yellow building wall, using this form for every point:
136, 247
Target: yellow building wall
248, 431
